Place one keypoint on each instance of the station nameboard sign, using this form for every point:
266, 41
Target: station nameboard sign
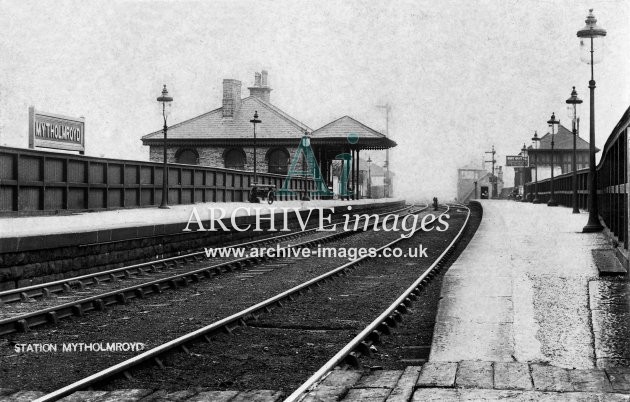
48, 130
517, 161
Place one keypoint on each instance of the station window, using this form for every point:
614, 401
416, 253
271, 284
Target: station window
234, 159
278, 160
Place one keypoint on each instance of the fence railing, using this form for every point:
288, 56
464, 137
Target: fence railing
34, 180
612, 181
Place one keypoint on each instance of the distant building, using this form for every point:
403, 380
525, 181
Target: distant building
372, 180
223, 137
562, 156
471, 180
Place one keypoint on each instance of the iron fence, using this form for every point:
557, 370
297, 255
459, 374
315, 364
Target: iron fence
35, 180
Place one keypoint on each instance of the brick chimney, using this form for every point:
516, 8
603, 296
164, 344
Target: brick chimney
260, 89
231, 97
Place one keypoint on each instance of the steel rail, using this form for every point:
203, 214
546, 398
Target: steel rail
396, 308
61, 285
225, 324
52, 315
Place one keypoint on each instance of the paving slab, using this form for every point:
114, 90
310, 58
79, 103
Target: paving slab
367, 394
488, 395
437, 374
435, 395
607, 263
379, 379
590, 380
551, 378
324, 393
334, 386
344, 378
512, 376
474, 374
262, 395
404, 387
619, 378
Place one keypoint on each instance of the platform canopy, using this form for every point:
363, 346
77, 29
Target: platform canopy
348, 132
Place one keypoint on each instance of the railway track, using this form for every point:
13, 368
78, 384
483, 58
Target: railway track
146, 279
351, 352
360, 345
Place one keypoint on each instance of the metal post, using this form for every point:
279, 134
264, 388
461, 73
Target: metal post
253, 195
551, 202
552, 122
164, 203
593, 224
535, 140
536, 200
576, 209
387, 185
493, 177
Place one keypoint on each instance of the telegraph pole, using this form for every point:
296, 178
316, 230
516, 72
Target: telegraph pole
493, 177
388, 109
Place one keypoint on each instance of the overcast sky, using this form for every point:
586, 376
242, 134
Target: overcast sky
460, 75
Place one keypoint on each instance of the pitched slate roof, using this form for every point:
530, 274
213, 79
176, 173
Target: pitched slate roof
211, 125
563, 139
345, 125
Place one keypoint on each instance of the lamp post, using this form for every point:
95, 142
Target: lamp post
254, 196
536, 140
524, 154
573, 102
386, 187
369, 183
166, 101
552, 122
492, 176
591, 34
386, 179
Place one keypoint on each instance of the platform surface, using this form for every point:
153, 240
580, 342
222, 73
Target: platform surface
520, 290
127, 218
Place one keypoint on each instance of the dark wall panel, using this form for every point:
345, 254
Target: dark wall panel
6, 167
29, 169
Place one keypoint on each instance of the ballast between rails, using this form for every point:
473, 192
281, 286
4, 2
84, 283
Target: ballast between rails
45, 289
380, 324
224, 325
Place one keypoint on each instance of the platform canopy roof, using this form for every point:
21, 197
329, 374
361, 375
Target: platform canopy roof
348, 131
276, 128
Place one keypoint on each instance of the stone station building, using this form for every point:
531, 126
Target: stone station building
223, 137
